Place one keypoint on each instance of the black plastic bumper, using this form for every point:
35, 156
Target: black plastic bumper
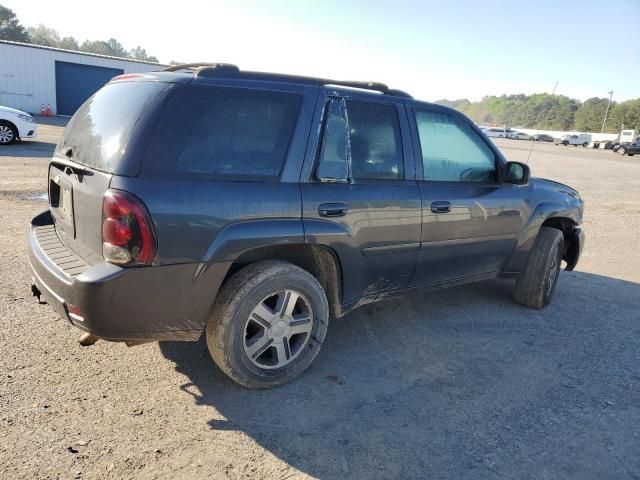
165, 302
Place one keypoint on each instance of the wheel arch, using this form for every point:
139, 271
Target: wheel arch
320, 261
571, 246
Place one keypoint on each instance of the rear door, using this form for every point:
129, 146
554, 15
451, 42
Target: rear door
360, 196
470, 221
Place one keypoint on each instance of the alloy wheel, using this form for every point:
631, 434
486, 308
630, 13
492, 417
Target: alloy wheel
278, 329
6, 134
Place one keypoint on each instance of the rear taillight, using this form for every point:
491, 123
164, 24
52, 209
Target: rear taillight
127, 232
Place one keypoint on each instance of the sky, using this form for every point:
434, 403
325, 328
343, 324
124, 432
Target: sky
432, 49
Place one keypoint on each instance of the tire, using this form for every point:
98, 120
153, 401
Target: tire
536, 284
239, 316
621, 151
8, 133
585, 144
565, 143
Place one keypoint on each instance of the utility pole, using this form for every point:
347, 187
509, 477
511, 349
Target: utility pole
607, 111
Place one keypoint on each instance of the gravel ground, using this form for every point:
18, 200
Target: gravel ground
460, 383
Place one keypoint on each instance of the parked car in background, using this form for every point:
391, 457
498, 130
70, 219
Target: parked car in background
496, 132
542, 137
256, 206
574, 139
631, 149
514, 135
15, 125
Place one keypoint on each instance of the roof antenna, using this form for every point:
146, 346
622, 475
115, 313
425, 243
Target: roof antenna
538, 130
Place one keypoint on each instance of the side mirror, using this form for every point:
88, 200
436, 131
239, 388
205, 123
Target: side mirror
516, 173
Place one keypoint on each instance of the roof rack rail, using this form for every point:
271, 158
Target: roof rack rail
226, 70
197, 66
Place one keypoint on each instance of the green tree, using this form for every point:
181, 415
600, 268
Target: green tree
590, 114
625, 113
111, 47
10, 28
140, 53
42, 35
69, 43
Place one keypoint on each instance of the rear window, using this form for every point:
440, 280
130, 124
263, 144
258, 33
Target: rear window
223, 131
100, 129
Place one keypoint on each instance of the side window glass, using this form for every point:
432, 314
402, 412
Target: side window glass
375, 141
333, 155
452, 151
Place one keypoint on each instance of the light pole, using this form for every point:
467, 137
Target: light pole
607, 111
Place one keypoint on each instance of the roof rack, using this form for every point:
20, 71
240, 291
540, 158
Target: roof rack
226, 70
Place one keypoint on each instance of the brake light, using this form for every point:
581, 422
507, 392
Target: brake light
127, 232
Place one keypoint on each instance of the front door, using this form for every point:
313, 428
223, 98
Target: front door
470, 220
362, 199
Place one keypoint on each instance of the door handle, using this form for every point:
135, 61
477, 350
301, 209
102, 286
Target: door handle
332, 210
441, 207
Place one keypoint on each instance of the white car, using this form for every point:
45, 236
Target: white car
15, 124
518, 135
495, 132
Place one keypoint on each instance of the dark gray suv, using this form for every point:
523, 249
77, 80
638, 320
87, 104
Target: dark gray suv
256, 206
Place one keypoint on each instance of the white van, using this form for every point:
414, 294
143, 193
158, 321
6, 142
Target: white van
575, 139
495, 132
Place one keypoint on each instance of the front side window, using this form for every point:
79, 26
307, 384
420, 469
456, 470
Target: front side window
452, 151
364, 144
224, 131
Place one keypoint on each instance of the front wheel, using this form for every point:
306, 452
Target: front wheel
268, 324
535, 286
8, 133
621, 151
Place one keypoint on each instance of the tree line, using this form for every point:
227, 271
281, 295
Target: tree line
550, 112
11, 29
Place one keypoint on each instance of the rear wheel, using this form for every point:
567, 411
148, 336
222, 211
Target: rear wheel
8, 133
268, 324
535, 286
585, 144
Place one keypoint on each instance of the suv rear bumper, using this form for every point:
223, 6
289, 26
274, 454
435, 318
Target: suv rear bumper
114, 303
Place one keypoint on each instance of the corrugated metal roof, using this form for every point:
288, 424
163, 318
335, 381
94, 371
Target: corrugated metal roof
76, 52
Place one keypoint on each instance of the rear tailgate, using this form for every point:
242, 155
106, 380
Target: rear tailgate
75, 197
92, 150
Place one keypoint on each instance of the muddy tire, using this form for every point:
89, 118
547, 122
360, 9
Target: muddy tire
268, 324
535, 286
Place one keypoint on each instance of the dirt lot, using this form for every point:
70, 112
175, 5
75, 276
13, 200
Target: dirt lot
462, 383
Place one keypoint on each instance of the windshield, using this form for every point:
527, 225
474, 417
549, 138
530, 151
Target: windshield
98, 132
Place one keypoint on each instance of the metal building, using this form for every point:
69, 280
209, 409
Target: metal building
32, 75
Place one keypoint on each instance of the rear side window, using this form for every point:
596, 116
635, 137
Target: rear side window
213, 131
452, 151
376, 145
98, 132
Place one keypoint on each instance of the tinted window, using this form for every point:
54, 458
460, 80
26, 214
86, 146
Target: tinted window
333, 156
224, 131
100, 129
452, 150
376, 145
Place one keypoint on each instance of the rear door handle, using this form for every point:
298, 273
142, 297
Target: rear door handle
441, 207
332, 210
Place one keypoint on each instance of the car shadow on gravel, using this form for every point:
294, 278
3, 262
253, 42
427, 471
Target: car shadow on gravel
451, 384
